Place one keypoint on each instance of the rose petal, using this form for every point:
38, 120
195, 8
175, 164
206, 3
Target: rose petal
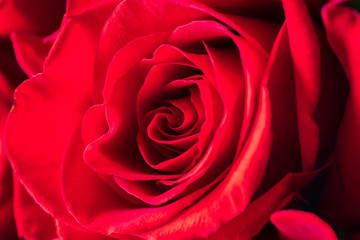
232, 194
285, 145
66, 232
305, 50
31, 221
297, 225
137, 19
342, 195
249, 223
113, 213
121, 115
31, 51
44, 117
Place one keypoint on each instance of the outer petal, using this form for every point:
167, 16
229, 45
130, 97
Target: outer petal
305, 50
48, 108
31, 51
342, 195
297, 225
31, 221
249, 223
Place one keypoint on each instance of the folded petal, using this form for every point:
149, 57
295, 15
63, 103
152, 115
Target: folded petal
305, 49
342, 195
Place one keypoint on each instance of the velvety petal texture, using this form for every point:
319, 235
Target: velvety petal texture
157, 119
31, 221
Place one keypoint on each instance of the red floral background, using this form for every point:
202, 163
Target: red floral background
157, 119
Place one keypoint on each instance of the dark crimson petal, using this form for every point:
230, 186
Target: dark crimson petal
213, 113
6, 93
262, 36
340, 203
167, 53
224, 84
74, 7
96, 206
151, 94
209, 96
44, 117
268, 9
10, 72
31, 50
285, 144
238, 80
189, 125
298, 225
244, 6
31, 221
305, 49
36, 16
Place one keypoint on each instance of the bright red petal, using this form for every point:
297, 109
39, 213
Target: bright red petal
298, 225
31, 221
50, 106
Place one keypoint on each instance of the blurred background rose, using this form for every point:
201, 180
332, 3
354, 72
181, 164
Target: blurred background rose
27, 22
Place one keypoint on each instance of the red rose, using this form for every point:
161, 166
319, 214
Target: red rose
182, 119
